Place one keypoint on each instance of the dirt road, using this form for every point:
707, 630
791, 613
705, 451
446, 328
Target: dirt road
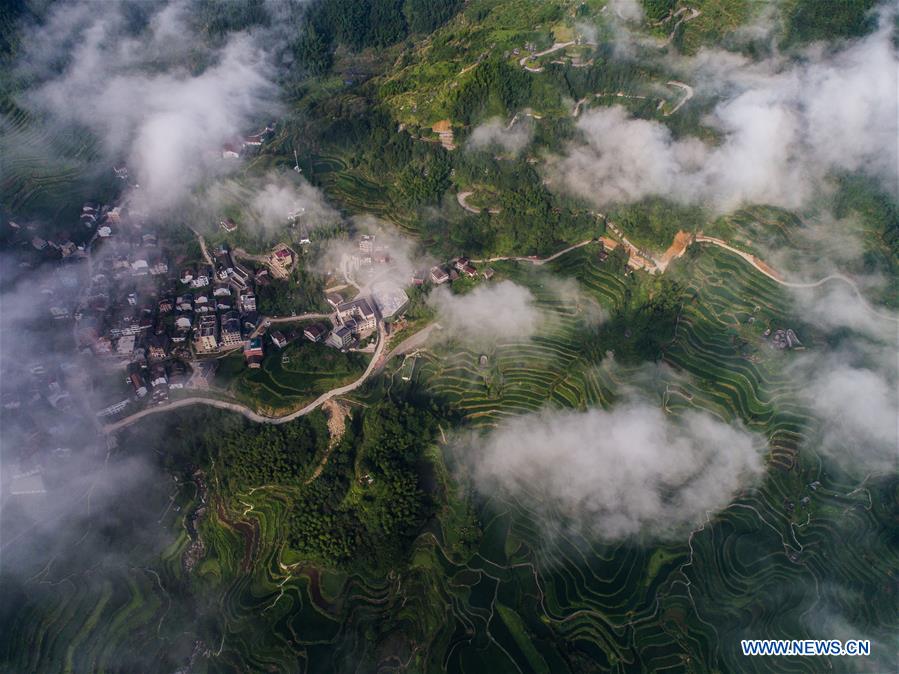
556, 47
203, 249
532, 259
762, 267
688, 94
461, 197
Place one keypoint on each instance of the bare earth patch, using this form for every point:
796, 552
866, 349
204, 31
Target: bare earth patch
337, 413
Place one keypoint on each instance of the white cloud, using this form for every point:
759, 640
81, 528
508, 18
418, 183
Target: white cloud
495, 134
137, 94
627, 10
501, 311
858, 412
629, 471
783, 127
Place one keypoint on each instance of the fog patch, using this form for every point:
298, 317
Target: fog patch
156, 99
494, 134
620, 473
375, 252
626, 10
504, 311
784, 127
270, 203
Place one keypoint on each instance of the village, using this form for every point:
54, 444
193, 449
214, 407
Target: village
142, 310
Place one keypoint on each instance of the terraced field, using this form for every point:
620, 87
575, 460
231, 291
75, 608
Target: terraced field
44, 171
347, 187
538, 600
298, 373
523, 375
520, 594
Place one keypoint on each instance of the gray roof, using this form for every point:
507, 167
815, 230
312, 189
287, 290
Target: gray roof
361, 305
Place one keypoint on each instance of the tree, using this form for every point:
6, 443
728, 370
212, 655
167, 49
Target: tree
313, 51
423, 16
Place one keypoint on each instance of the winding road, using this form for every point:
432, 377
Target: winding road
249, 413
376, 363
461, 198
688, 94
556, 47
414, 341
763, 268
533, 259
203, 249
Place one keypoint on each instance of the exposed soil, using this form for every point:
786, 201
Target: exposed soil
681, 242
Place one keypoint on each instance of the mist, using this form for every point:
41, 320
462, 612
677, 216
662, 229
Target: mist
157, 100
495, 135
784, 126
631, 471
401, 256
269, 202
49, 434
504, 312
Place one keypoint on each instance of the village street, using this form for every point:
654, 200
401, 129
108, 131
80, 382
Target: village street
249, 413
379, 359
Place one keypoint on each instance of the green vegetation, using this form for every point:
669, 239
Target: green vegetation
217, 19
423, 16
48, 172
378, 547
302, 292
273, 455
465, 69
368, 502
493, 88
653, 222
358, 24
810, 20
862, 198
289, 377
282, 547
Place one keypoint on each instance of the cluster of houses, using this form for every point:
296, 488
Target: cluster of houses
138, 308
355, 319
783, 339
98, 220
243, 146
281, 260
440, 274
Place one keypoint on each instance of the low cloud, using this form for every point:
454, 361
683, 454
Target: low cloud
849, 379
501, 311
838, 305
630, 471
280, 200
494, 134
157, 99
393, 258
857, 410
58, 477
784, 127
626, 10
269, 203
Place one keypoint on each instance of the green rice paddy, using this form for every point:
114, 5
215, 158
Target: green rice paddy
519, 595
289, 377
